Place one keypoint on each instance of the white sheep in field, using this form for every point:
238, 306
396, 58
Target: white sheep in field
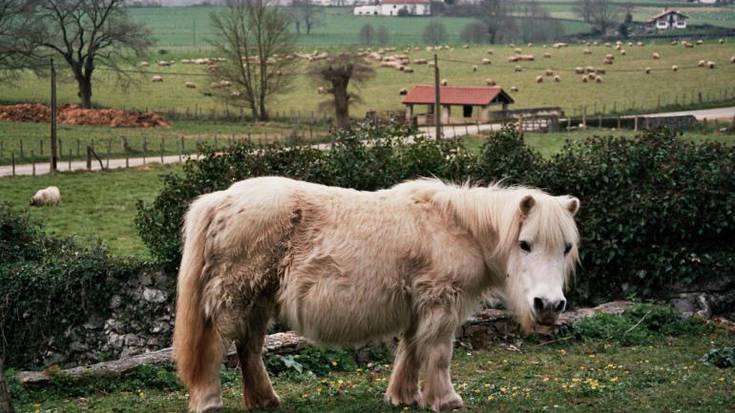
656, 56
444, 82
710, 64
648, 70
490, 82
190, 85
547, 55
675, 68
157, 79
514, 88
474, 68
46, 196
539, 79
557, 78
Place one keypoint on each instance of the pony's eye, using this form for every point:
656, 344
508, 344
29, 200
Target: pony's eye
567, 248
525, 246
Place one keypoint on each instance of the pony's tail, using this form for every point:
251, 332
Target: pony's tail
197, 346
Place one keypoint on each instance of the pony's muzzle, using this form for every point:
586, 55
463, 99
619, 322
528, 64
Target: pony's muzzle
546, 312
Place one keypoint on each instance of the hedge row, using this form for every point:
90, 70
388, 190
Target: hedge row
656, 210
49, 286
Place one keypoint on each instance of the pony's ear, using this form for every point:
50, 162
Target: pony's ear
526, 204
570, 203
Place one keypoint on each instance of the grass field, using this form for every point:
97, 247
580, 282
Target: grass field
625, 86
95, 205
183, 29
597, 375
183, 134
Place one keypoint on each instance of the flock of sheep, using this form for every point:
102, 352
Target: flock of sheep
400, 60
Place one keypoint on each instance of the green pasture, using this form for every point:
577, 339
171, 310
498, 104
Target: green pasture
596, 375
625, 86
182, 137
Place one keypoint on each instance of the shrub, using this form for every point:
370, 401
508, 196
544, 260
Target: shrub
656, 211
48, 286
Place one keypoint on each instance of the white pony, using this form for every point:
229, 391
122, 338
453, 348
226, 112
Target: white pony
342, 266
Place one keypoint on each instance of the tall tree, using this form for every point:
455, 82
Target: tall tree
336, 72
435, 33
5, 405
308, 14
88, 34
382, 36
367, 34
16, 50
604, 15
253, 35
583, 9
497, 16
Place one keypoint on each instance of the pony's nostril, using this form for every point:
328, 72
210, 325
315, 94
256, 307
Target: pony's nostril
560, 306
538, 304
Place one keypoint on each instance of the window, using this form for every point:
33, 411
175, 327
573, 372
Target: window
467, 111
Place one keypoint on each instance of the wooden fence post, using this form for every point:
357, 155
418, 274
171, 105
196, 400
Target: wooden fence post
12, 161
69, 160
162, 149
33, 163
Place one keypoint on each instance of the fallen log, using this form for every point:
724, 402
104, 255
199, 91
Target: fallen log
478, 331
276, 343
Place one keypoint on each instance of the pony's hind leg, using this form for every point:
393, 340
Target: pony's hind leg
404, 380
257, 388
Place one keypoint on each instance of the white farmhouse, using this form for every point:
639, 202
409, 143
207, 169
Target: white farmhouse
395, 8
668, 19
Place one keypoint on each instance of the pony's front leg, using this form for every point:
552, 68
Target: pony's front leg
435, 341
404, 381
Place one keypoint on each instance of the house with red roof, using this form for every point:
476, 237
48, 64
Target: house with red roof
459, 104
667, 20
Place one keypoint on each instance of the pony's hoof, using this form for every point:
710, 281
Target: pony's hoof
263, 403
450, 401
409, 399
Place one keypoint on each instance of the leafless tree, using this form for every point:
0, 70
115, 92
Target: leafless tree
367, 34
88, 34
336, 73
435, 33
5, 405
308, 14
601, 14
583, 9
253, 36
382, 36
16, 50
497, 16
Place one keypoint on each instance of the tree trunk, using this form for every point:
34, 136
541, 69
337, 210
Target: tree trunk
5, 405
85, 90
341, 105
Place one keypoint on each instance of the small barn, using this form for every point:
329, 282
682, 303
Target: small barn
668, 20
459, 104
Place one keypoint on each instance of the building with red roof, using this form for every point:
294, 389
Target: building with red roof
668, 19
475, 101
395, 8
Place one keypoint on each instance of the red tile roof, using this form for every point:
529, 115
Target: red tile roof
456, 95
665, 13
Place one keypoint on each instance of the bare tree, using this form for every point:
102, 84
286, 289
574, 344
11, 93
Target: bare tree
583, 9
253, 36
336, 72
475, 32
308, 13
5, 405
497, 16
367, 34
88, 34
382, 36
435, 33
16, 50
601, 14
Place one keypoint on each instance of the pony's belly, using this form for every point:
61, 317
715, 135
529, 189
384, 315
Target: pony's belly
339, 313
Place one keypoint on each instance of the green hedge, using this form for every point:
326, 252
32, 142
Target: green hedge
656, 210
48, 286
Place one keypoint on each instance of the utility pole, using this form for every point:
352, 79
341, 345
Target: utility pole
54, 141
437, 100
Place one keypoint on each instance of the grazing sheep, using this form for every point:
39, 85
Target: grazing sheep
420, 61
600, 71
589, 69
320, 90
557, 78
700, 41
518, 69
466, 46
584, 78
655, 56
47, 196
144, 64
514, 88
587, 51
579, 70
598, 79
490, 82
530, 45
607, 62
403, 91
648, 70
486, 61
549, 72
710, 64
732, 59
622, 52
674, 42
407, 69
157, 79
722, 41
609, 57
517, 51
701, 63
675, 68
490, 51
688, 45
444, 82
640, 44
190, 85
539, 79
547, 55
474, 68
